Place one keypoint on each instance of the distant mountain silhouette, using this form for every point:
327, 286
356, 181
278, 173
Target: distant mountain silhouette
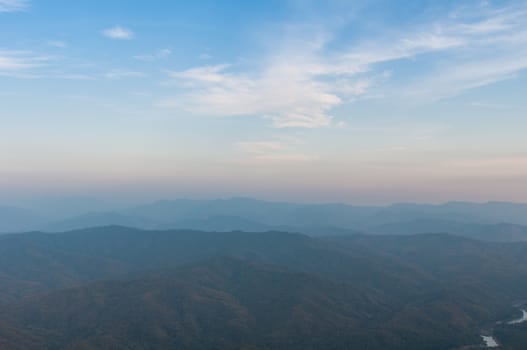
94, 219
502, 232
493, 221
13, 219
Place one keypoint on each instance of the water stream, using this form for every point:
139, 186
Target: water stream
521, 319
491, 342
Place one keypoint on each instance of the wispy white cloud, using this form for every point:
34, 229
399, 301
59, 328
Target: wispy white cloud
14, 5
19, 63
160, 54
118, 33
279, 149
121, 74
58, 44
487, 105
71, 76
30, 65
298, 87
205, 56
469, 73
261, 147
494, 49
13, 63
287, 92
303, 80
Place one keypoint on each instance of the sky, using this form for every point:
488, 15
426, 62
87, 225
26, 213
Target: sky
365, 102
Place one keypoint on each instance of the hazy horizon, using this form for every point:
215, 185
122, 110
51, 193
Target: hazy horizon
128, 201
87, 204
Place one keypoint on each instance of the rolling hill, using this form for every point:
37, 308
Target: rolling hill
117, 287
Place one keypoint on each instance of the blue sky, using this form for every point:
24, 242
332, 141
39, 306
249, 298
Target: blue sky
352, 101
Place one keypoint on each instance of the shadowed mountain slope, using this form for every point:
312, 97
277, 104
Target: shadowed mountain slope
226, 303
116, 287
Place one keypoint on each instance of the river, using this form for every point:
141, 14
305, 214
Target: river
491, 342
521, 319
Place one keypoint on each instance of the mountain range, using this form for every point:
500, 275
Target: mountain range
494, 221
115, 287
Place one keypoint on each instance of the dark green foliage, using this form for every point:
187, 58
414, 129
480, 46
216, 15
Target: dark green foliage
512, 337
113, 288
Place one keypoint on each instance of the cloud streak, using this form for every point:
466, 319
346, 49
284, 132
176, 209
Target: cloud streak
19, 63
289, 92
118, 33
160, 54
299, 87
279, 149
494, 49
57, 44
303, 81
13, 5
122, 74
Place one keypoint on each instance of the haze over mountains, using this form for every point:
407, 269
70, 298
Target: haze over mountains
248, 274
500, 221
116, 287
